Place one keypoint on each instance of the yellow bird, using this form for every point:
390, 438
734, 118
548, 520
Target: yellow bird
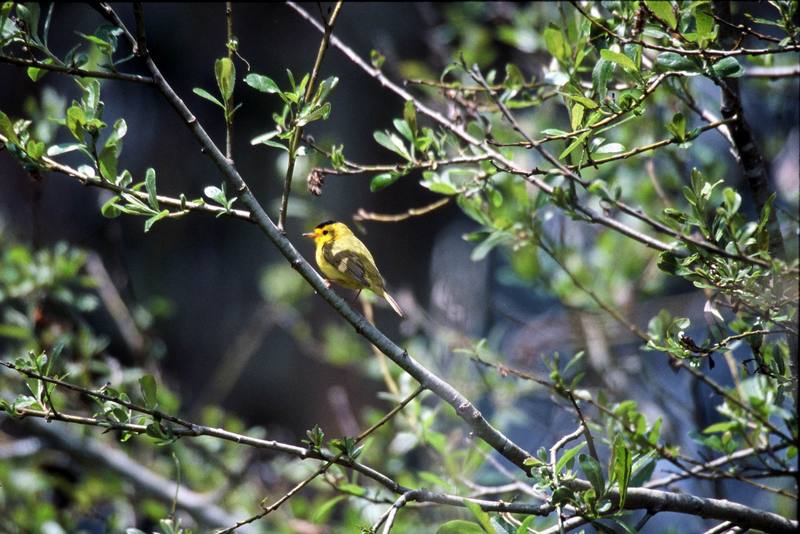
344, 259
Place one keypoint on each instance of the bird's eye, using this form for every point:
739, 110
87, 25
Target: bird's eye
324, 232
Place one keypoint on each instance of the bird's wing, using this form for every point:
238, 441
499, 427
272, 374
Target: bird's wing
349, 263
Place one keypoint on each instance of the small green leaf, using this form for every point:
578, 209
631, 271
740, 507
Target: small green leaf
150, 186
587, 102
671, 61
147, 385
523, 527
601, 75
568, 455
7, 128
225, 72
593, 473
261, 83
376, 58
154, 219
109, 209
728, 67
663, 10
383, 180
575, 144
410, 116
621, 467
620, 59
479, 514
323, 511
108, 163
554, 41
76, 118
208, 96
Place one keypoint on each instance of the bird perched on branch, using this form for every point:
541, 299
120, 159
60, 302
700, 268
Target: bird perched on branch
344, 259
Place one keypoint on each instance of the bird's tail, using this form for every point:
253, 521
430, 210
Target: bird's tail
393, 303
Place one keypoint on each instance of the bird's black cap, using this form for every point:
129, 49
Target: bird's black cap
325, 223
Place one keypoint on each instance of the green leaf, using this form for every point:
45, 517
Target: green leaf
523, 527
147, 385
568, 455
76, 118
621, 466
208, 96
320, 112
261, 83
109, 209
677, 126
7, 128
601, 75
575, 144
459, 526
108, 163
154, 219
323, 511
383, 180
554, 41
663, 10
393, 143
587, 102
225, 72
150, 186
671, 61
728, 67
480, 515
35, 73
593, 473
620, 59
410, 116
376, 58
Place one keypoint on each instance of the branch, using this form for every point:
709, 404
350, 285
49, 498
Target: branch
463, 407
298, 130
362, 215
303, 483
98, 455
51, 165
75, 71
664, 501
773, 73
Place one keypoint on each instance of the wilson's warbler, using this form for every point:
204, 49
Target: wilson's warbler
344, 259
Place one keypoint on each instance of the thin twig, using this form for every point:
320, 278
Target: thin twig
303, 483
75, 71
554, 460
298, 130
362, 215
229, 102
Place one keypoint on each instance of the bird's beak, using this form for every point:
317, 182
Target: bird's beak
312, 235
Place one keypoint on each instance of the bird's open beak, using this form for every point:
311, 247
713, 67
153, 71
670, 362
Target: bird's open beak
312, 235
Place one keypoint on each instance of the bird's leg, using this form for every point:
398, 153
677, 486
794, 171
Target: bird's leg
356, 297
326, 282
